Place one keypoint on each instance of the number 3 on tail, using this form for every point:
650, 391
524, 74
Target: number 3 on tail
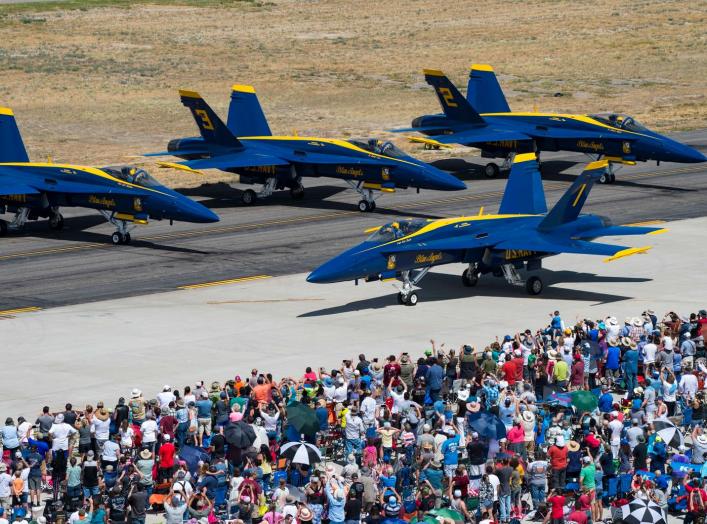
447, 96
205, 120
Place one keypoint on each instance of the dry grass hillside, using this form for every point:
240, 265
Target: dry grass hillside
95, 81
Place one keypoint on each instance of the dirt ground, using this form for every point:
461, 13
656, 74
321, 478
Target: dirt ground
95, 82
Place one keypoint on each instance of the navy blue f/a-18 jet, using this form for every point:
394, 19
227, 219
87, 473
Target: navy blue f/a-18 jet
246, 146
517, 238
125, 196
484, 120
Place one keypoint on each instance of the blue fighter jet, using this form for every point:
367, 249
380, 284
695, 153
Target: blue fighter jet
125, 196
517, 238
246, 146
484, 120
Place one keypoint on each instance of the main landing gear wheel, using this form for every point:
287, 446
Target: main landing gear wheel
297, 193
364, 206
534, 286
119, 238
410, 300
249, 197
491, 170
3, 228
470, 279
56, 222
607, 178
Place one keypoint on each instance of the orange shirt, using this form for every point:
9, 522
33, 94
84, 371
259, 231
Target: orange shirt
262, 393
17, 486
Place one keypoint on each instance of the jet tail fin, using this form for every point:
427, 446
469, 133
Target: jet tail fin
12, 148
570, 204
245, 116
483, 91
454, 105
211, 127
524, 194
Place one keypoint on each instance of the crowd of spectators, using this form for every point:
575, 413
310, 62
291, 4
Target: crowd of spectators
401, 438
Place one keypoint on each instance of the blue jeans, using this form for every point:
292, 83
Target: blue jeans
504, 502
91, 492
353, 445
136, 520
537, 494
630, 383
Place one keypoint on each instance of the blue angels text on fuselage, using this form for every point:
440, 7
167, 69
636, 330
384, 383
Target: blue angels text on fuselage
125, 195
515, 239
246, 146
484, 120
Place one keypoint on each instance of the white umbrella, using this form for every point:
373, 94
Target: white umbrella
669, 432
640, 511
301, 453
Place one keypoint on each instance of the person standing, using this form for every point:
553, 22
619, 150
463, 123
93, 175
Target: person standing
558, 462
630, 367
504, 490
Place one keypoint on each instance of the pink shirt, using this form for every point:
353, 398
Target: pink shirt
515, 435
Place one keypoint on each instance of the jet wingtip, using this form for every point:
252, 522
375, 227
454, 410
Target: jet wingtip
627, 253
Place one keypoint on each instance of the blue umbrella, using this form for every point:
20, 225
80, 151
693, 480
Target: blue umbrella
487, 425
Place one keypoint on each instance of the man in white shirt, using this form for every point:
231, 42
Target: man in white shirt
23, 429
341, 392
149, 431
616, 427
649, 352
368, 410
60, 433
354, 432
688, 384
110, 453
5, 492
165, 397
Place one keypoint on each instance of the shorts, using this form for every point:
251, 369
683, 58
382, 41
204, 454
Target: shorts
35, 483
204, 426
450, 469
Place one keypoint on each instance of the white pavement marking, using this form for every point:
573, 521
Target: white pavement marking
99, 351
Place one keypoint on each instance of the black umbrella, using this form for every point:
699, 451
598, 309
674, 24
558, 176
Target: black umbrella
669, 432
301, 453
239, 434
302, 418
640, 511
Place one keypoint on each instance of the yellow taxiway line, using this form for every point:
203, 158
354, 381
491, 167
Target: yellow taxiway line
225, 282
8, 312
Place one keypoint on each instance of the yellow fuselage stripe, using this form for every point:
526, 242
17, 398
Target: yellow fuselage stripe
225, 282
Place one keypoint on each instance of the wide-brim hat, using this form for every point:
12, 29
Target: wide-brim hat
435, 464
625, 341
135, 393
473, 406
180, 403
305, 514
102, 414
612, 321
463, 394
528, 416
632, 345
636, 321
573, 445
702, 439
552, 354
613, 341
146, 454
638, 390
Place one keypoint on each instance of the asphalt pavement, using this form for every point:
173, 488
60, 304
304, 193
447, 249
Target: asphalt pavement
43, 269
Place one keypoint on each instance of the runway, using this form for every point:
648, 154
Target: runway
101, 350
43, 269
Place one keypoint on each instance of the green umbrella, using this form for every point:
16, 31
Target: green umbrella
427, 519
302, 418
584, 400
448, 513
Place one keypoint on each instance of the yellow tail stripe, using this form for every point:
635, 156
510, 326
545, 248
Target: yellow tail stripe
225, 282
481, 67
29, 309
6, 111
241, 88
524, 157
579, 195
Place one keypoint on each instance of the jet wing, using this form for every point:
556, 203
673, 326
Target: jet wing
230, 161
578, 134
329, 159
610, 231
546, 244
481, 135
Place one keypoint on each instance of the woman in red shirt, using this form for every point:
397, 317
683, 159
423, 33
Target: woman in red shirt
557, 512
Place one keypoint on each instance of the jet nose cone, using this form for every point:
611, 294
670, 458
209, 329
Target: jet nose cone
321, 275
192, 211
338, 269
684, 154
441, 180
